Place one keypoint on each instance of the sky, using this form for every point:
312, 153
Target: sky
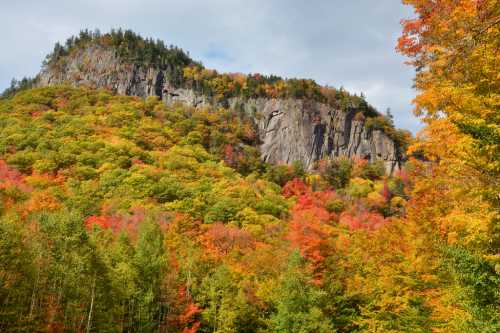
335, 42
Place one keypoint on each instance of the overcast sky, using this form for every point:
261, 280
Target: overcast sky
346, 43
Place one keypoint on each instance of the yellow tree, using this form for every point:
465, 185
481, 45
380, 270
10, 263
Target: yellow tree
455, 48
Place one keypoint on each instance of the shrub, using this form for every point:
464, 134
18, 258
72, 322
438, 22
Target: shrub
359, 187
337, 172
373, 170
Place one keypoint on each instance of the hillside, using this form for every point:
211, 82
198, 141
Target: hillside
165, 215
321, 122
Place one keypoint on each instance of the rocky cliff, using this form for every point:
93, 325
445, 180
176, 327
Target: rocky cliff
289, 129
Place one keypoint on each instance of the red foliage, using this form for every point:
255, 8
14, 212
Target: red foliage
190, 311
184, 313
229, 156
193, 328
295, 187
409, 43
118, 223
359, 162
104, 222
385, 192
360, 218
310, 227
10, 177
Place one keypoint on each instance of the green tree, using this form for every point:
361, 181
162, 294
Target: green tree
150, 262
298, 302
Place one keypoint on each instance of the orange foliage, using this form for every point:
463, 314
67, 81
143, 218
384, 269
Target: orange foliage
295, 187
229, 155
185, 311
187, 317
220, 239
41, 201
385, 192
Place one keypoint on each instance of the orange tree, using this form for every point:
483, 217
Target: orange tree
454, 46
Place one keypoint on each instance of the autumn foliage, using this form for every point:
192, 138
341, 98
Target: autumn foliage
122, 214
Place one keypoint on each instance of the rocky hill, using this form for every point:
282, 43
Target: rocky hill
297, 120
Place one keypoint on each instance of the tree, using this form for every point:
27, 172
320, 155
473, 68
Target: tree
226, 308
298, 302
310, 229
454, 48
149, 260
337, 172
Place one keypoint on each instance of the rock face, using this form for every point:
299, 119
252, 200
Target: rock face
297, 130
289, 129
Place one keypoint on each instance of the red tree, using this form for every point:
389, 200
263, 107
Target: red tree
310, 228
362, 219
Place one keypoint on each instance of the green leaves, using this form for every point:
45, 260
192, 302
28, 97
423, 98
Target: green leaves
298, 303
478, 287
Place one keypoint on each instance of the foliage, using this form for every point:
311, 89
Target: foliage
122, 214
88, 184
129, 45
298, 302
18, 85
336, 171
454, 48
134, 216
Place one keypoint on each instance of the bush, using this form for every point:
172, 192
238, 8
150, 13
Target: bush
335, 206
337, 172
282, 174
373, 171
359, 188
22, 161
223, 211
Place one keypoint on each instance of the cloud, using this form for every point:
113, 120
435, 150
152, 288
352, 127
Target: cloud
335, 42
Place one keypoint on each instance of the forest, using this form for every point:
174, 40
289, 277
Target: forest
123, 214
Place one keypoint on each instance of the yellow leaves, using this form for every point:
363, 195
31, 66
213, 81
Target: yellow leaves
468, 223
197, 73
398, 202
43, 181
106, 167
239, 78
221, 85
444, 310
375, 199
448, 194
432, 138
42, 201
